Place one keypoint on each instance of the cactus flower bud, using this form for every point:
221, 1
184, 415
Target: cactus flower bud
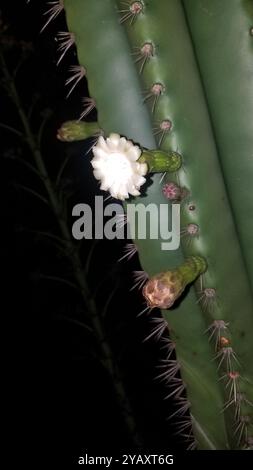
120, 165
164, 289
72, 131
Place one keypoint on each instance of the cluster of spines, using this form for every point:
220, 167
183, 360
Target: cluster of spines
207, 295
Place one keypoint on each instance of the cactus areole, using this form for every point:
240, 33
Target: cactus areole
174, 96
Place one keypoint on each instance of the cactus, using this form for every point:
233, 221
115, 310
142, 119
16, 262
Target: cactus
175, 75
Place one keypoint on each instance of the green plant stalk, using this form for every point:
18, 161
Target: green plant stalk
223, 42
71, 252
160, 162
104, 49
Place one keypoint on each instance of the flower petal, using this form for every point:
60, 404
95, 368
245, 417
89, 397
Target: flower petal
115, 165
113, 141
142, 168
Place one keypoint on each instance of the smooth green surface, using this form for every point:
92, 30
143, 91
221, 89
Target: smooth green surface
183, 102
224, 50
104, 50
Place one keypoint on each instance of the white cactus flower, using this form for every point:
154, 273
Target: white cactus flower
115, 165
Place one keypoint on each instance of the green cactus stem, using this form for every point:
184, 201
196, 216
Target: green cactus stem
164, 289
72, 131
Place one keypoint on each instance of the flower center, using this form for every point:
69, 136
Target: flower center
119, 166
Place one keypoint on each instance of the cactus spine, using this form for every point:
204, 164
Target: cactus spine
137, 100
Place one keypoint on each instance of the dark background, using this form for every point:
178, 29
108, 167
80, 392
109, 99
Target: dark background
59, 392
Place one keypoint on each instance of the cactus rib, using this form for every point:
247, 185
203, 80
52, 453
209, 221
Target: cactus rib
224, 49
172, 88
